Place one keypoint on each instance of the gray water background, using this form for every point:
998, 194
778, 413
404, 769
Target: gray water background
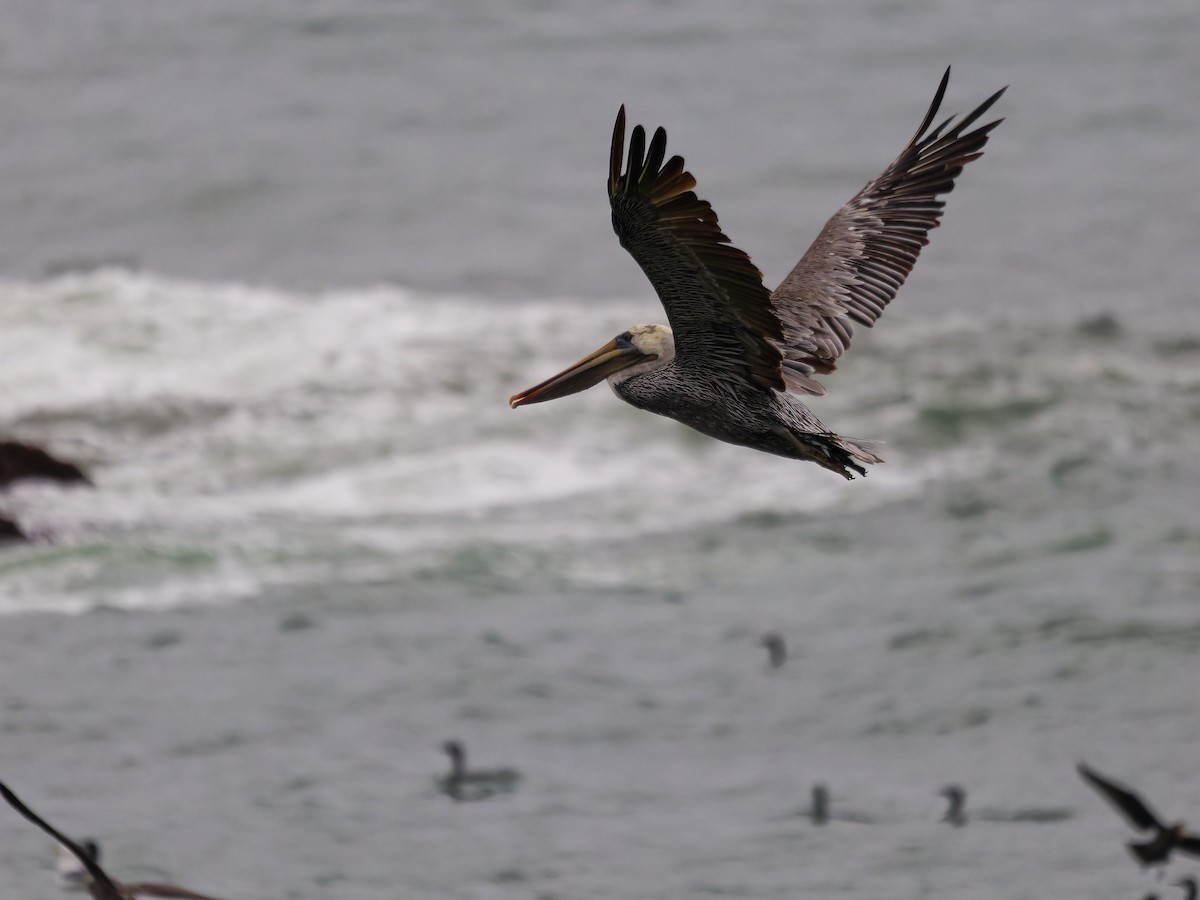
320, 543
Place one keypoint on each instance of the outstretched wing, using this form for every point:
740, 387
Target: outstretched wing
1125, 801
716, 303
866, 250
102, 887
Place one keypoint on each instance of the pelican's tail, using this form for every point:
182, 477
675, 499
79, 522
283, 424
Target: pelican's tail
826, 449
846, 454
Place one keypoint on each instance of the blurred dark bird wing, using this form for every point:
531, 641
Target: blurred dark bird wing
1125, 801
102, 887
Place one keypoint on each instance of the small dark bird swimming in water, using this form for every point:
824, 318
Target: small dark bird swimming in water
736, 357
956, 813
99, 885
1166, 838
464, 784
776, 648
819, 813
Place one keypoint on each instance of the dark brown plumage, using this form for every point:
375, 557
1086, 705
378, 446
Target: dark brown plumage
1165, 839
736, 355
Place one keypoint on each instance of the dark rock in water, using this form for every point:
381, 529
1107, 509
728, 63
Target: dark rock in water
10, 531
19, 461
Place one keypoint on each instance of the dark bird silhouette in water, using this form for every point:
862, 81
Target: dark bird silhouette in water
736, 358
1165, 838
464, 784
819, 812
99, 884
955, 813
776, 648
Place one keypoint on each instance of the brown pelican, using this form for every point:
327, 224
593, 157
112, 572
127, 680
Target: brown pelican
1157, 850
736, 356
955, 813
463, 784
99, 885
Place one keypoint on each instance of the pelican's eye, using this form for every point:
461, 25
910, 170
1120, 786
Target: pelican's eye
625, 340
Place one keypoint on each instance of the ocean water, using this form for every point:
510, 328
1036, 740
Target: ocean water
271, 272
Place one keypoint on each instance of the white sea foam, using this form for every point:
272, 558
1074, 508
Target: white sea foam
260, 433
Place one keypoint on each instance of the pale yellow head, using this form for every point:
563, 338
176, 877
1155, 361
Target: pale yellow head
633, 352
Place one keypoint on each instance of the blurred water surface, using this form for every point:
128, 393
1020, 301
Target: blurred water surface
320, 543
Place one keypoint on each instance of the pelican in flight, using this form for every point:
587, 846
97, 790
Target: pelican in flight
736, 356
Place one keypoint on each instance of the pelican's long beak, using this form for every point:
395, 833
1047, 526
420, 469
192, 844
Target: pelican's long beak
590, 370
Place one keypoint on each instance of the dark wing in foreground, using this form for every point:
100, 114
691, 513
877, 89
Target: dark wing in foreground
1125, 801
1189, 844
102, 887
866, 250
716, 303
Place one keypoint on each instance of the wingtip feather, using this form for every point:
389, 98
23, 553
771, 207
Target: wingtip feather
616, 151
